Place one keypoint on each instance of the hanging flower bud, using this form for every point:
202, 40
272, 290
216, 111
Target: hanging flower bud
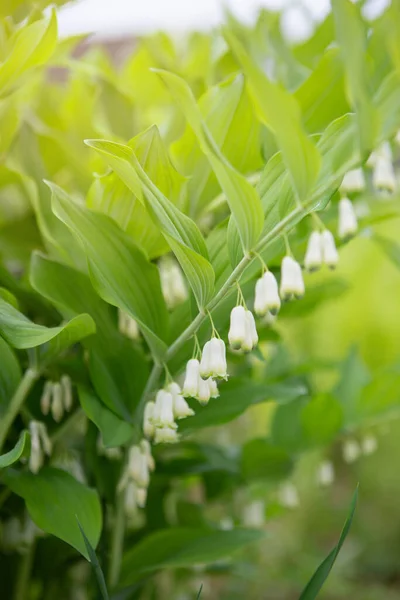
292, 283
313, 257
36, 455
254, 514
110, 453
251, 338
130, 503
180, 407
146, 450
163, 412
212, 386
128, 326
148, 424
141, 497
266, 295
326, 473
45, 400
383, 176
213, 359
351, 451
329, 252
137, 466
44, 438
66, 392
288, 495
369, 444
347, 224
172, 283
165, 435
191, 383
237, 330
57, 406
203, 391
353, 181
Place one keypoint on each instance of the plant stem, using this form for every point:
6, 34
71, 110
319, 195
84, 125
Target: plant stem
24, 573
22, 391
117, 541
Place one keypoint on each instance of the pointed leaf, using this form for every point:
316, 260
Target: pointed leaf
95, 564
15, 454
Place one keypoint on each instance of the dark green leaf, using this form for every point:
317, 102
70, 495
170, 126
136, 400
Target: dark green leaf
95, 564
261, 460
15, 454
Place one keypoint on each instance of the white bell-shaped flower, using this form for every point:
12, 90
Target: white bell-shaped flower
172, 283
40, 445
67, 392
45, 399
347, 223
329, 252
313, 257
165, 435
180, 407
191, 383
213, 359
369, 444
383, 175
292, 283
141, 497
351, 451
128, 326
146, 450
213, 387
164, 410
325, 473
130, 501
288, 495
237, 330
137, 466
353, 181
148, 419
266, 295
57, 405
254, 514
203, 391
251, 338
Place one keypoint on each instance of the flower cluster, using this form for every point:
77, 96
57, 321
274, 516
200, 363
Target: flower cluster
136, 477
57, 398
40, 445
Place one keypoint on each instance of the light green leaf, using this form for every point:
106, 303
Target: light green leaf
66, 500
181, 233
353, 377
280, 112
351, 33
316, 582
114, 431
242, 198
15, 454
182, 548
30, 46
10, 374
261, 460
120, 272
20, 332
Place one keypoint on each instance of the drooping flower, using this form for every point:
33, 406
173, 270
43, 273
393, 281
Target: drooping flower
172, 282
180, 407
148, 420
325, 473
45, 399
369, 444
329, 252
383, 176
128, 326
146, 450
242, 332
353, 181
266, 295
347, 223
203, 391
212, 386
66, 386
57, 405
288, 495
191, 383
165, 435
213, 359
313, 258
138, 468
163, 411
351, 451
251, 339
292, 283
254, 514
40, 445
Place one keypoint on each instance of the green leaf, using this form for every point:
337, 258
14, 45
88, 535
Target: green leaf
55, 500
114, 431
181, 233
10, 374
351, 33
235, 398
182, 548
390, 248
30, 46
322, 418
318, 579
20, 332
95, 564
120, 272
287, 427
261, 460
242, 198
353, 378
281, 113
15, 454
